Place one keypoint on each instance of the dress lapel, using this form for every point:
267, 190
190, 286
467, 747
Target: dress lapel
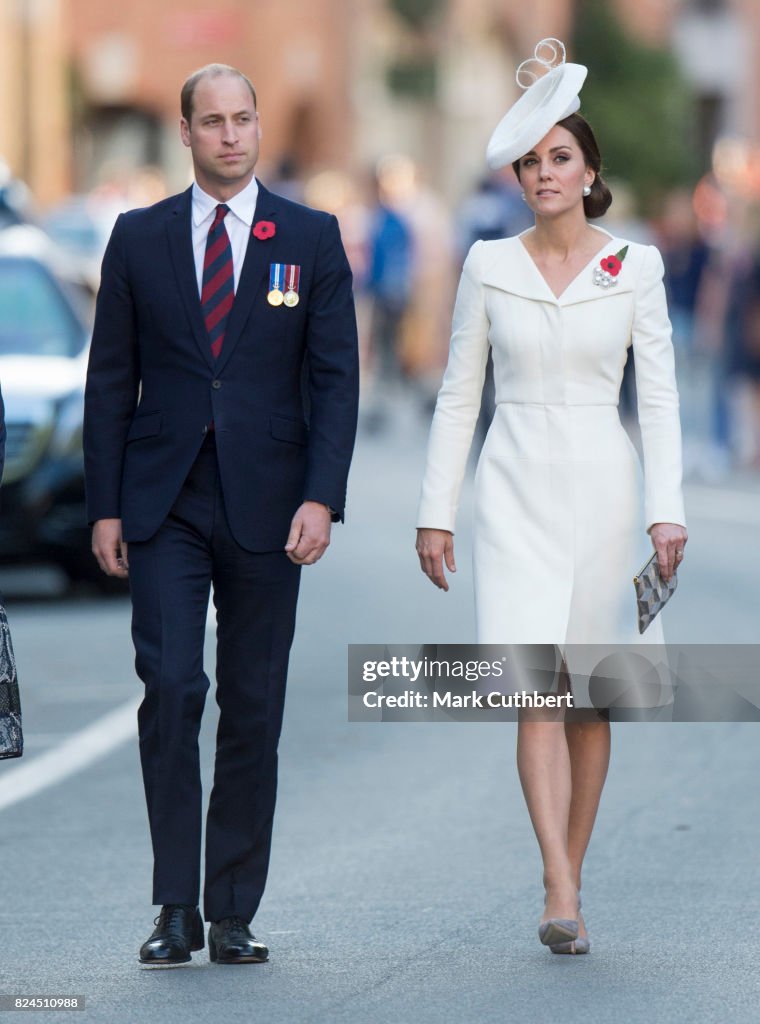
583, 288
511, 269
254, 274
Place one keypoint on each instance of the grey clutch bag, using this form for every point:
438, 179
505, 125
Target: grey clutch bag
652, 591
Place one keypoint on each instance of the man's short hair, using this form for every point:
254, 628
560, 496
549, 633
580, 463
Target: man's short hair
208, 71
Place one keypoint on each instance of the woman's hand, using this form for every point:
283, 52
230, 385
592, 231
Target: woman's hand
433, 547
669, 540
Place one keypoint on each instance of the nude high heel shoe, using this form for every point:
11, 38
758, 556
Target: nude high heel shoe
580, 944
558, 931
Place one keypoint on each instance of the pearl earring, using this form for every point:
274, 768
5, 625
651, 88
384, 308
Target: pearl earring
522, 196
587, 190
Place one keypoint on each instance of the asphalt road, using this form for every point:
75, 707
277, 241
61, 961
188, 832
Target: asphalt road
405, 881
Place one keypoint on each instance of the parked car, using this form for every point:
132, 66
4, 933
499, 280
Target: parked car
16, 205
45, 322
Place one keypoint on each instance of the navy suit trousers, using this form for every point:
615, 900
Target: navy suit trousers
255, 596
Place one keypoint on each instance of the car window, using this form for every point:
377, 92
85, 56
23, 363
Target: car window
35, 317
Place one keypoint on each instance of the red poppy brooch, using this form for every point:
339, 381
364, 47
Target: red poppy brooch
263, 230
606, 274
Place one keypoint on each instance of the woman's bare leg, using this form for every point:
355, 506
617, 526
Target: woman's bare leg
543, 764
588, 744
562, 768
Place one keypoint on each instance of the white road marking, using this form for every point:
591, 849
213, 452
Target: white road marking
75, 753
78, 751
41, 739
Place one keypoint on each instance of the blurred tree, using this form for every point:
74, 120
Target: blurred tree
413, 74
417, 13
413, 77
639, 104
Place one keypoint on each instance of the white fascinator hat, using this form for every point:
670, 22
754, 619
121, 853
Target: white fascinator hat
548, 98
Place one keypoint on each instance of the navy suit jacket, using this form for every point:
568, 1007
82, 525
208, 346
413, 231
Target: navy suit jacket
2, 436
153, 386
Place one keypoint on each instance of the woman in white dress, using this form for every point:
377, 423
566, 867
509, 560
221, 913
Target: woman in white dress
563, 517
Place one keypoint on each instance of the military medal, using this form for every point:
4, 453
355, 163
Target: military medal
275, 296
293, 278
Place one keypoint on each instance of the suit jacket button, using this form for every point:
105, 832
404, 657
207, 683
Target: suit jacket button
216, 384
205, 430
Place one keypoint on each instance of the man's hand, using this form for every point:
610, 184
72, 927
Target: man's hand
109, 549
309, 535
434, 547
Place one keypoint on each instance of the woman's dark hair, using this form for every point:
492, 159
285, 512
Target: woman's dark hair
600, 200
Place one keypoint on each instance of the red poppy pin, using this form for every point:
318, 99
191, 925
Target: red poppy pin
264, 229
606, 274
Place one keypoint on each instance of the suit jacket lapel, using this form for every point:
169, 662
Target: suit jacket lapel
179, 229
253, 276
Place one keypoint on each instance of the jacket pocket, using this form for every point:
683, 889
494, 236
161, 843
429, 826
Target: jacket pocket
293, 431
148, 425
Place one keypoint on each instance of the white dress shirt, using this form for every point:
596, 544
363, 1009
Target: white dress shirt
238, 223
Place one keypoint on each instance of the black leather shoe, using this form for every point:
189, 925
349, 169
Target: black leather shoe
230, 942
179, 931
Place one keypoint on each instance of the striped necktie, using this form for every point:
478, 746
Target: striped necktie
218, 291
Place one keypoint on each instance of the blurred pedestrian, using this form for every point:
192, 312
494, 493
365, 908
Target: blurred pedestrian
288, 179
686, 256
200, 469
426, 323
742, 358
389, 285
558, 532
494, 209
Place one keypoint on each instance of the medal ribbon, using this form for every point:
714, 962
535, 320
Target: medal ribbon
274, 276
293, 277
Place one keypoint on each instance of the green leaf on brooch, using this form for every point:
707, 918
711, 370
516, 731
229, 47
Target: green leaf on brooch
621, 255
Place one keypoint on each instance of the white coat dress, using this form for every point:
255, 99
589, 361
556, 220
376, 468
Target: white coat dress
561, 506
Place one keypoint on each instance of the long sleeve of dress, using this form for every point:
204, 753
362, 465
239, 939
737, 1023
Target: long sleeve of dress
459, 399
657, 396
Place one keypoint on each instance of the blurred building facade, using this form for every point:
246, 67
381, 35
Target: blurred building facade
131, 61
89, 87
35, 126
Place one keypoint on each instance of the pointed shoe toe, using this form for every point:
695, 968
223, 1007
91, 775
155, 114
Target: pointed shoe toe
576, 946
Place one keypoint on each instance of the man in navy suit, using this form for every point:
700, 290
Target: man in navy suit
224, 313
2, 436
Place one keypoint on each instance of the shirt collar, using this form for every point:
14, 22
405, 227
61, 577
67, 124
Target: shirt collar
243, 205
